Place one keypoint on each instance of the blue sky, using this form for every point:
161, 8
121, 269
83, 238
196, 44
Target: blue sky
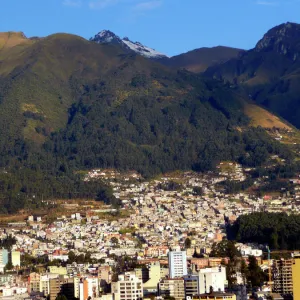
169, 26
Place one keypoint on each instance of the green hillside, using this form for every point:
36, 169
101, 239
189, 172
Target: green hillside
199, 60
270, 72
67, 104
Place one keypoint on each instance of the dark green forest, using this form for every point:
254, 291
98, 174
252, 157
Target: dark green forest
68, 105
279, 230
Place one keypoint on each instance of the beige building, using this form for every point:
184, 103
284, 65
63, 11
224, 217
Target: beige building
16, 258
296, 277
34, 282
54, 286
45, 282
128, 287
57, 270
150, 286
282, 276
172, 287
215, 296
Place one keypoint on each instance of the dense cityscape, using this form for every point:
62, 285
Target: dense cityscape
168, 240
129, 172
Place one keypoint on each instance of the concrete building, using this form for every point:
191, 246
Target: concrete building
212, 277
150, 286
172, 288
177, 264
104, 275
191, 285
296, 276
15, 258
54, 288
282, 276
76, 280
67, 286
3, 257
215, 296
142, 273
45, 282
57, 270
88, 287
128, 287
34, 282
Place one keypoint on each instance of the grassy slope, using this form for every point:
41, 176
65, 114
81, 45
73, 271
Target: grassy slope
261, 117
271, 78
199, 60
44, 84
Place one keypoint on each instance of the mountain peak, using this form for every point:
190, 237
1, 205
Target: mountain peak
106, 36
11, 38
283, 39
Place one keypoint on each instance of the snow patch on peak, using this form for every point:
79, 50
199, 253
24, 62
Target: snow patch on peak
106, 36
143, 50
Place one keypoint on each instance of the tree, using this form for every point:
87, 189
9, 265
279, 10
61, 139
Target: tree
114, 241
87, 257
106, 195
187, 243
54, 262
9, 266
255, 274
198, 191
225, 249
61, 297
244, 271
71, 257
8, 242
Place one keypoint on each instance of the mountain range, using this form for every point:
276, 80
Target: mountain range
68, 104
108, 37
269, 73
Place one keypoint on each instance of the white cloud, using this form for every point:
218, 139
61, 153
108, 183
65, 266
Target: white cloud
149, 5
72, 3
267, 3
101, 4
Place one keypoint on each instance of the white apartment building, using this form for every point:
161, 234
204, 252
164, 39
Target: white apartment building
212, 277
128, 287
88, 287
16, 258
177, 264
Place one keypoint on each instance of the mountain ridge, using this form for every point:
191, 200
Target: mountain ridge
270, 72
198, 60
107, 36
68, 104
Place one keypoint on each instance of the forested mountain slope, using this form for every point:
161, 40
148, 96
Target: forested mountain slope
67, 104
269, 73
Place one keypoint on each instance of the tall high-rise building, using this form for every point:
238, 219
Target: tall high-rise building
282, 276
15, 258
177, 264
296, 276
128, 287
54, 285
3, 257
88, 287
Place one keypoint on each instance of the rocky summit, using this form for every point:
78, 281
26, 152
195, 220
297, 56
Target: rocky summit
108, 37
